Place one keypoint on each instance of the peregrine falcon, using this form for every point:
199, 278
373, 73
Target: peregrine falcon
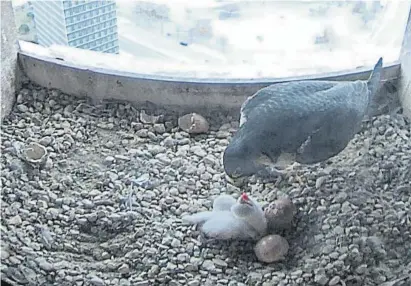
303, 122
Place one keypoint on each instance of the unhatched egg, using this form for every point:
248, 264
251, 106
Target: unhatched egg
271, 248
279, 214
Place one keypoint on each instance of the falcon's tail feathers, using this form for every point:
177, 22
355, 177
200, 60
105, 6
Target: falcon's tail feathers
375, 77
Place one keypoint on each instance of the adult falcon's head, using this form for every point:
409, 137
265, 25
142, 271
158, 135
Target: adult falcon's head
243, 158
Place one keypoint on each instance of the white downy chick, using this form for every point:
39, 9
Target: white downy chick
223, 203
230, 219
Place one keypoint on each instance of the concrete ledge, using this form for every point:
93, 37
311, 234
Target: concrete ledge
9, 67
188, 93
405, 80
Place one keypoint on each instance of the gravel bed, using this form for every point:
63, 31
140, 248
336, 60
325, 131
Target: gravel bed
105, 207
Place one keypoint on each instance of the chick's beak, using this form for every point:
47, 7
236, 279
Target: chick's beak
244, 199
245, 202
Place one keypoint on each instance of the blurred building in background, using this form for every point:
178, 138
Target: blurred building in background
90, 25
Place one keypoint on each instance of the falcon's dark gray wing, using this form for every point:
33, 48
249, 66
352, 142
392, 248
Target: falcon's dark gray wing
281, 91
312, 125
339, 126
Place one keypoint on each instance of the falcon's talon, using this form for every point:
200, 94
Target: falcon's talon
275, 173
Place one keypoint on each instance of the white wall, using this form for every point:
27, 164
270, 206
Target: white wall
9, 68
405, 83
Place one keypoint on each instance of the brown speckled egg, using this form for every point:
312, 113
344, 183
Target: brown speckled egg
279, 214
193, 123
271, 248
